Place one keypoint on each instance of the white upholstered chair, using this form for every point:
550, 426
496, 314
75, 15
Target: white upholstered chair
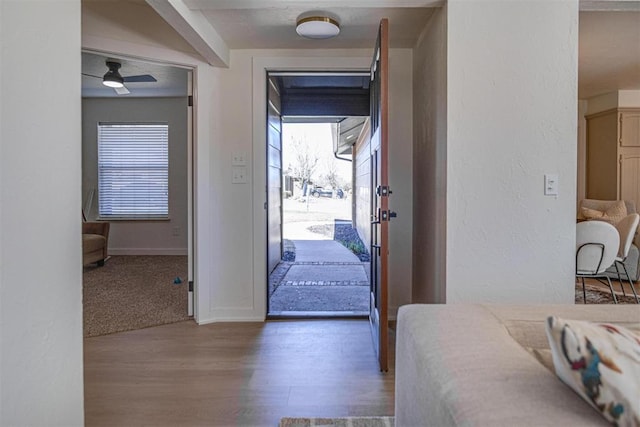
597, 244
627, 230
632, 262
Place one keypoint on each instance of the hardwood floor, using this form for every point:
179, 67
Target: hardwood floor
238, 374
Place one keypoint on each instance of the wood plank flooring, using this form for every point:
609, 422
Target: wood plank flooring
234, 374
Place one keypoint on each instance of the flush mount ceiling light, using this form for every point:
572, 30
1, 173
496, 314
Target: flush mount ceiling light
317, 27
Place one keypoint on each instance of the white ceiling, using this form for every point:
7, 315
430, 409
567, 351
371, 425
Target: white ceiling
609, 42
269, 27
171, 81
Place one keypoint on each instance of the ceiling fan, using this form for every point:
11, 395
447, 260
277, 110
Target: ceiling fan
113, 79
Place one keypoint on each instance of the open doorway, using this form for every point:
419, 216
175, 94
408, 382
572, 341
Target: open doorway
137, 186
318, 261
608, 140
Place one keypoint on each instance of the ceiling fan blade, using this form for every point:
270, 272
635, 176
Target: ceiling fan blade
122, 90
142, 78
91, 75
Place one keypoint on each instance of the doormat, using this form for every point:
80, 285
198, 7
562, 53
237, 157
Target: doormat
338, 422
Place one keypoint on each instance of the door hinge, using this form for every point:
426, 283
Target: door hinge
383, 190
190, 285
190, 100
387, 215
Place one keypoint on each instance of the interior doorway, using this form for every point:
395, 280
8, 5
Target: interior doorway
318, 263
137, 184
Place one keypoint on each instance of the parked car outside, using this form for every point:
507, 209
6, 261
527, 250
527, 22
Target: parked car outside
327, 192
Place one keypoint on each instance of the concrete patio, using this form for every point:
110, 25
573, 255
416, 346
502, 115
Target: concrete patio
325, 279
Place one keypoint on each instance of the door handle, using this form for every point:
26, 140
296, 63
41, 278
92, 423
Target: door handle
387, 215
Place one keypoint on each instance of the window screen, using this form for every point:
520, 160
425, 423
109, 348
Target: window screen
133, 170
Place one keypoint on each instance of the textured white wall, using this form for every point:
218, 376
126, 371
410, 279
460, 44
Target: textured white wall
512, 91
141, 237
430, 161
232, 290
40, 245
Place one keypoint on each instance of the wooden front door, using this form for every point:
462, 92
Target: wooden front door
380, 213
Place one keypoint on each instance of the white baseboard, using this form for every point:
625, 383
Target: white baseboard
230, 319
243, 314
231, 314
148, 251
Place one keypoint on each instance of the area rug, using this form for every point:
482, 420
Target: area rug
134, 292
599, 295
338, 422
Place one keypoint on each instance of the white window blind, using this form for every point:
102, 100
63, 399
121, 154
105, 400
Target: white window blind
133, 170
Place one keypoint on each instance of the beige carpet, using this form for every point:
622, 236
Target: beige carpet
338, 422
134, 292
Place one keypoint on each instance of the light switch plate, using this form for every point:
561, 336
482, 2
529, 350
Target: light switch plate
551, 184
239, 158
239, 175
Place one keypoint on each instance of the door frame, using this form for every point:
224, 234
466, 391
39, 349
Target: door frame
192, 144
260, 67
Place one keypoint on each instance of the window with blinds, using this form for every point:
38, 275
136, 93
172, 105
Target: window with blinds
133, 170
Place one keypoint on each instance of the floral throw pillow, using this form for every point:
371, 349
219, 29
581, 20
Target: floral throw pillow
600, 362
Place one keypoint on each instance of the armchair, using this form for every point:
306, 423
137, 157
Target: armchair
632, 262
627, 229
95, 241
597, 244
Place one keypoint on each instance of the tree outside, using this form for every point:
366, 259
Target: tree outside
308, 156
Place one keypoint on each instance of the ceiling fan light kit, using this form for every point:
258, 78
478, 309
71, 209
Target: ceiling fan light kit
112, 81
317, 27
112, 78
